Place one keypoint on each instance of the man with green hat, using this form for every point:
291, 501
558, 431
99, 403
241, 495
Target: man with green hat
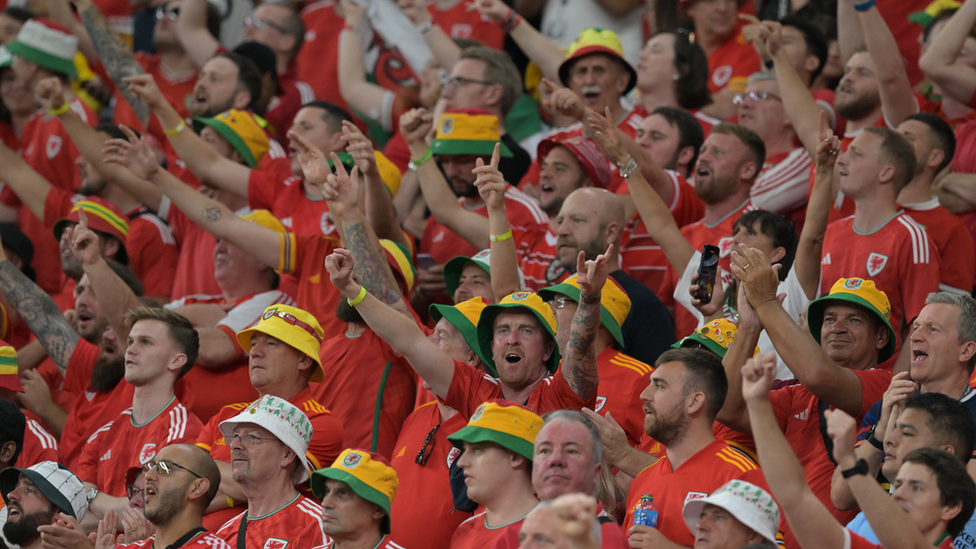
498, 444
466, 277
356, 493
851, 326
236, 135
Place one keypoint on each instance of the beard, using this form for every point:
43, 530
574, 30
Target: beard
106, 374
167, 507
668, 428
347, 313
718, 189
859, 107
24, 531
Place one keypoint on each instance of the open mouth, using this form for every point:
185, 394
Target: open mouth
590, 92
918, 356
513, 358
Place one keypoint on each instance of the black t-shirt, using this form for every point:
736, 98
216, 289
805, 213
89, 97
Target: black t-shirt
648, 329
514, 167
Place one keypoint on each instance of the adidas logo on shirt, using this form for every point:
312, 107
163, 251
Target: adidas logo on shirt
804, 415
107, 456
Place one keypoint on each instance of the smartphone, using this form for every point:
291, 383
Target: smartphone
425, 261
707, 271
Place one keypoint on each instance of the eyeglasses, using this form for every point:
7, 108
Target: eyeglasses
293, 320
165, 468
131, 491
263, 24
171, 14
458, 81
560, 302
247, 439
428, 448
758, 97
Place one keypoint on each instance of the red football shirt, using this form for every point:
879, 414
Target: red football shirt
39, 445
475, 533
538, 258
194, 266
622, 380
304, 256
461, 22
953, 240
295, 524
292, 94
730, 65
203, 540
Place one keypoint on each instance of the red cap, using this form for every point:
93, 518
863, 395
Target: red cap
585, 150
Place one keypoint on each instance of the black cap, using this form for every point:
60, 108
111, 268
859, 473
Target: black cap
263, 56
20, 245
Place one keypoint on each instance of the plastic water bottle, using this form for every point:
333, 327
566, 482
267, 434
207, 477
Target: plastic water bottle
645, 514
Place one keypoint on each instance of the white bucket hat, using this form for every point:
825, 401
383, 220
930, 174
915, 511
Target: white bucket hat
56, 483
748, 503
283, 420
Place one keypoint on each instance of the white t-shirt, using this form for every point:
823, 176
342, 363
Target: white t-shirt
563, 20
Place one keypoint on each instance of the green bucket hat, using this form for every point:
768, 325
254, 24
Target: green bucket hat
859, 292
241, 130
368, 474
528, 301
614, 303
464, 316
507, 424
468, 131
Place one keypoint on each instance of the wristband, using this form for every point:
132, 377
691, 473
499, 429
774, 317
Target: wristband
860, 468
177, 130
414, 164
502, 237
425, 27
864, 6
627, 166
60, 110
351, 28
512, 21
359, 298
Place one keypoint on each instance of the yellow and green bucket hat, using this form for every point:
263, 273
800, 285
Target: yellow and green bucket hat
399, 257
716, 336
507, 424
464, 316
367, 473
859, 292
531, 303
241, 130
468, 131
614, 303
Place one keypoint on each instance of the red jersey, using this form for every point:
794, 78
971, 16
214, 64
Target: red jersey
295, 524
782, 185
150, 244
523, 212
91, 409
538, 259
696, 478
640, 256
47, 147
368, 387
384, 543
953, 239
326, 445
798, 416
622, 380
460, 22
285, 197
899, 257
121, 443
39, 445
304, 256
471, 387
610, 535
292, 94
730, 65
423, 513
201, 540
318, 59
194, 266
475, 533
857, 542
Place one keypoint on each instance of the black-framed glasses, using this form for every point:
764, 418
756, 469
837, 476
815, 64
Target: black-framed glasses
456, 82
263, 24
757, 96
247, 439
132, 491
428, 448
172, 14
165, 468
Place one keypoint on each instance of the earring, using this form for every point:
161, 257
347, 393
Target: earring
675, 76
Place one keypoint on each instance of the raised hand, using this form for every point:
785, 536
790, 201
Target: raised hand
612, 435
105, 536
134, 153
48, 93
490, 182
342, 189
65, 533
771, 37
841, 428
604, 133
564, 101
135, 526
757, 276
415, 124
713, 307
828, 145
145, 89
893, 402
576, 516
84, 241
494, 10
758, 375
592, 275
361, 148
315, 164
416, 10
340, 264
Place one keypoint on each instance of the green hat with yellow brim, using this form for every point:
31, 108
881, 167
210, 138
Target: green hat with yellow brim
464, 316
294, 327
531, 303
859, 292
241, 130
716, 336
368, 474
468, 131
614, 303
507, 424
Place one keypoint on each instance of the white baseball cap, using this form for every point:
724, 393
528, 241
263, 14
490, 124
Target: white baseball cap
283, 420
748, 503
56, 483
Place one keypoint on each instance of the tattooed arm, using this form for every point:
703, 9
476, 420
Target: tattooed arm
40, 312
113, 53
579, 367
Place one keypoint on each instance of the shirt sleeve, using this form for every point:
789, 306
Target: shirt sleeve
261, 189
327, 437
920, 276
80, 367
470, 387
210, 433
153, 254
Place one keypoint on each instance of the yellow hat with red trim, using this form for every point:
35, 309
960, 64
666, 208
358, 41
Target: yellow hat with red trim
293, 326
533, 304
861, 292
465, 316
507, 424
468, 131
594, 40
368, 474
614, 302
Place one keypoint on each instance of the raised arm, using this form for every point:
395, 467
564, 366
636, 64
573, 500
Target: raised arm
203, 160
957, 192
358, 92
850, 35
812, 524
191, 30
801, 108
438, 194
217, 219
809, 249
579, 365
536, 47
733, 413
114, 54
897, 100
939, 62
401, 333
442, 46
830, 382
504, 257
29, 186
378, 204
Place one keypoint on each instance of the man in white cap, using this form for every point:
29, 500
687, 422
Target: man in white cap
268, 441
34, 497
737, 514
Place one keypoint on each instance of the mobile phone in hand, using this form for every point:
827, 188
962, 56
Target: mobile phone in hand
707, 271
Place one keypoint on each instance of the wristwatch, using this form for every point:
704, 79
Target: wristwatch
860, 468
873, 440
90, 494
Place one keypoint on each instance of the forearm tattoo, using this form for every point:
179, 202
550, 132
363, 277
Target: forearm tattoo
41, 314
580, 364
115, 57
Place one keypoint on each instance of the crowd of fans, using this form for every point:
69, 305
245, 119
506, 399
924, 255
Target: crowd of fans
466, 274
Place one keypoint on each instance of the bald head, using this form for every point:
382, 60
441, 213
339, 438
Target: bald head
199, 461
590, 220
